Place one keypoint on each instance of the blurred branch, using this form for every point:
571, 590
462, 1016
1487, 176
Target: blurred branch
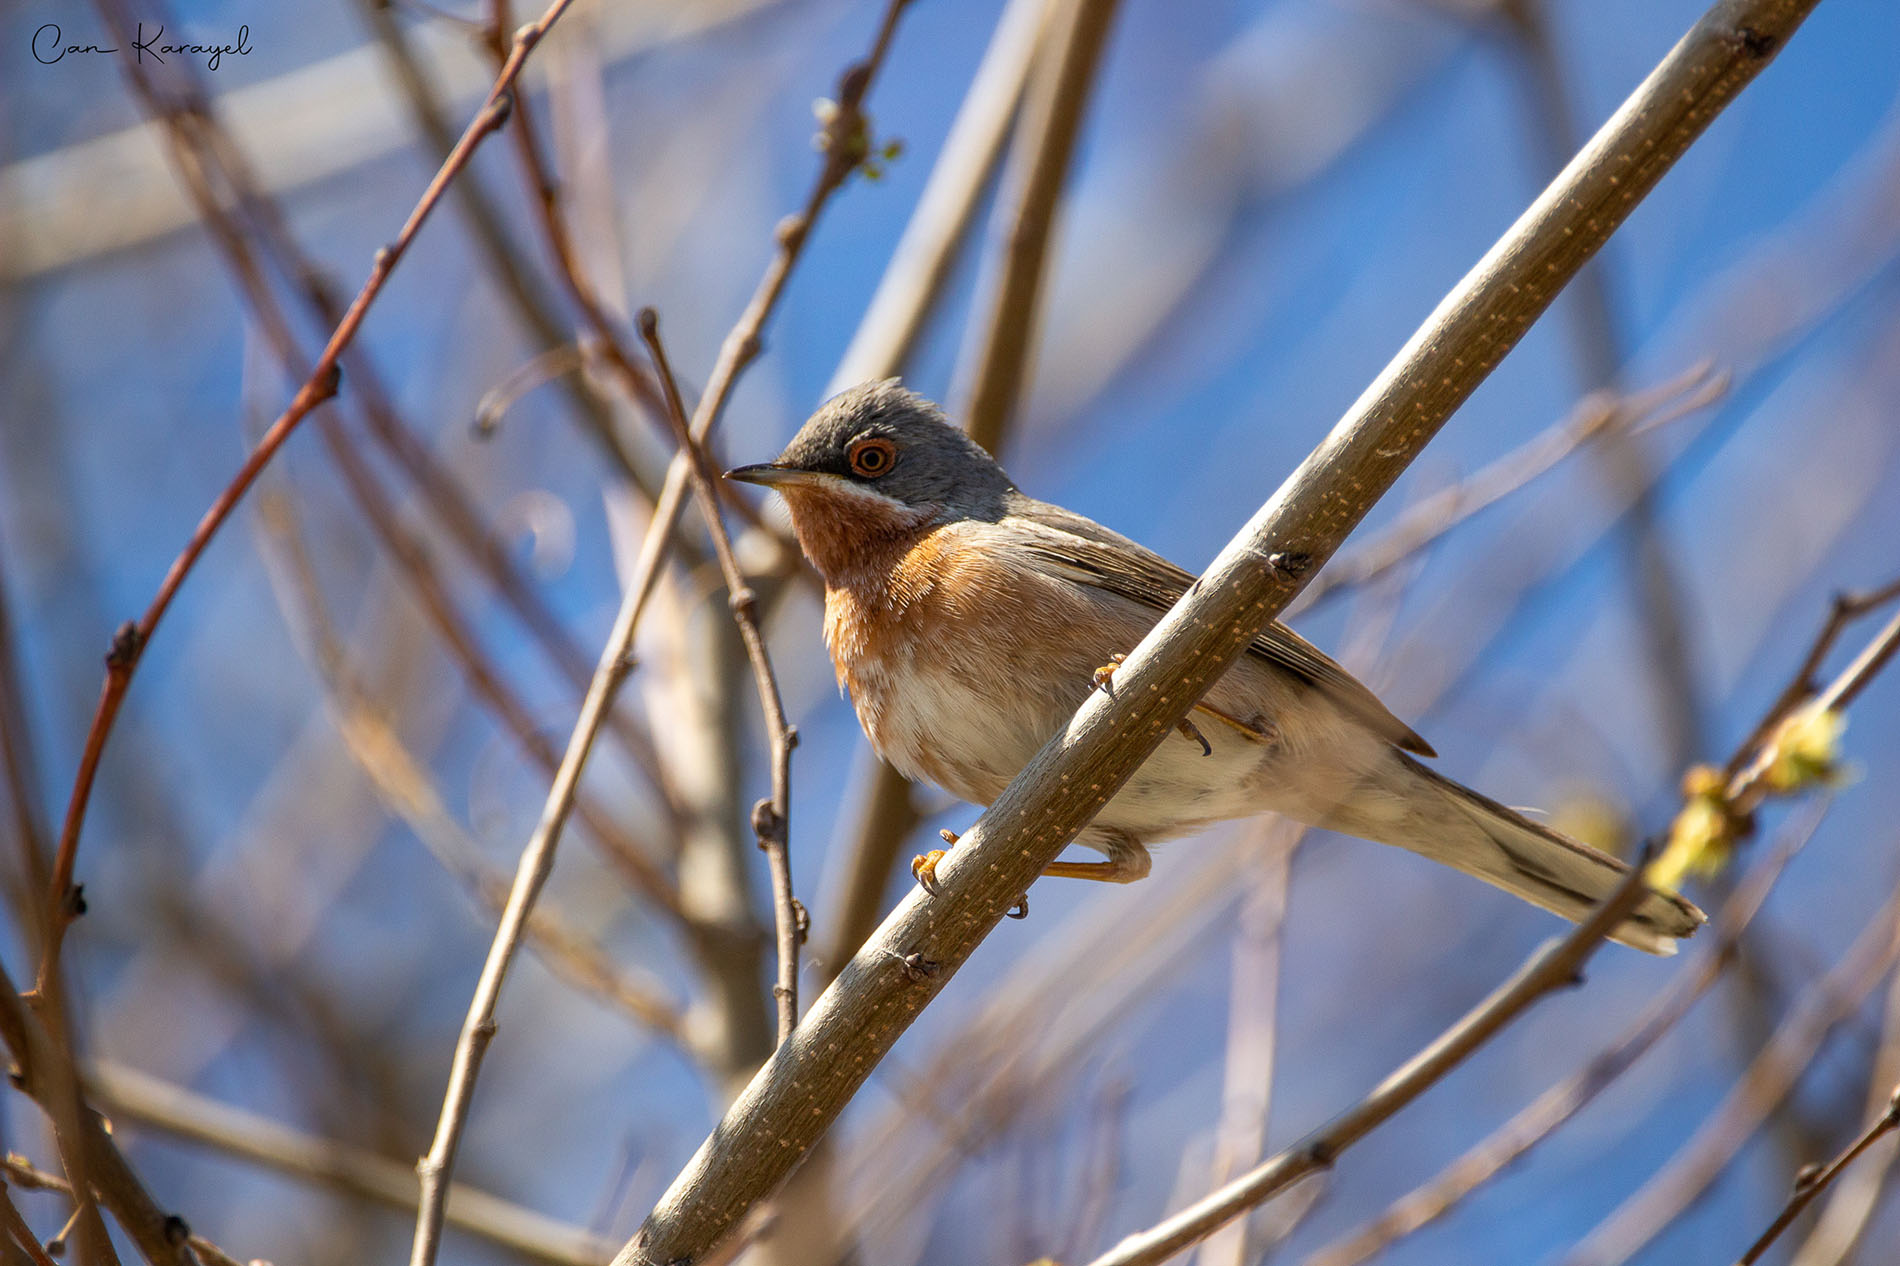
806, 1084
1058, 95
30, 1178
1598, 345
1253, 1018
1506, 1145
135, 1096
916, 279
129, 643
308, 125
771, 818
19, 1232
914, 283
22, 777
44, 1073
1597, 415
406, 787
510, 270
1557, 965
884, 820
1767, 1081
846, 144
1810, 1183
1844, 1220
537, 863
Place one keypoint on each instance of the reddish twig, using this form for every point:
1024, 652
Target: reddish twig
129, 643
202, 147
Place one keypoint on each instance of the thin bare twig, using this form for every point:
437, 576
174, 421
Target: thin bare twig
1842, 612
771, 818
129, 643
1843, 1222
138, 1097
846, 145
28, 1176
1768, 1080
1809, 1184
557, 362
1555, 966
1778, 757
1550, 1110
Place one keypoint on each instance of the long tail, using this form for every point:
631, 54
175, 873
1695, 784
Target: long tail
1450, 823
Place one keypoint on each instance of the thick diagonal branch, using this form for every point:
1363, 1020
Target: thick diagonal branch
807, 1083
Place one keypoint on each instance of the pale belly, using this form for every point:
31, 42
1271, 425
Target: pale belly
972, 735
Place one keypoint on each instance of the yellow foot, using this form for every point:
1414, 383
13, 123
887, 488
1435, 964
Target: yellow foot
1104, 679
923, 868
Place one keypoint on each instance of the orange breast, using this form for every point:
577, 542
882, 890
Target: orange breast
959, 666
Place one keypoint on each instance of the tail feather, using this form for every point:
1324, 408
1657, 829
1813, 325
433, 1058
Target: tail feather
1450, 823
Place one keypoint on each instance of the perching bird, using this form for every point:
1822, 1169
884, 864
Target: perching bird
969, 621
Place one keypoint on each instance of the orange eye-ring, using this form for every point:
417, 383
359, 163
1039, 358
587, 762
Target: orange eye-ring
871, 458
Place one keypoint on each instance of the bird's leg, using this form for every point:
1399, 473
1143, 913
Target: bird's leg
1104, 680
1128, 860
923, 867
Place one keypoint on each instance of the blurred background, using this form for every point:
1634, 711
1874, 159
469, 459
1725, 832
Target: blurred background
342, 734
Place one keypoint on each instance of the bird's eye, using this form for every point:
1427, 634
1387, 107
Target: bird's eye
871, 458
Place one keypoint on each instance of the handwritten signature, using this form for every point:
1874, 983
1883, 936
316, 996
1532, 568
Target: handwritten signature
49, 46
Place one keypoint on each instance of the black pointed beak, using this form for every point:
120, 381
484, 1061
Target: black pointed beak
771, 474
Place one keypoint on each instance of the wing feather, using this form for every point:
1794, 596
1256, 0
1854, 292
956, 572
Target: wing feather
1087, 553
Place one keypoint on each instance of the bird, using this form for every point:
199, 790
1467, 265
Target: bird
967, 621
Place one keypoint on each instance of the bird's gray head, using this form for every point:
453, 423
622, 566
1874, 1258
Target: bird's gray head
878, 453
